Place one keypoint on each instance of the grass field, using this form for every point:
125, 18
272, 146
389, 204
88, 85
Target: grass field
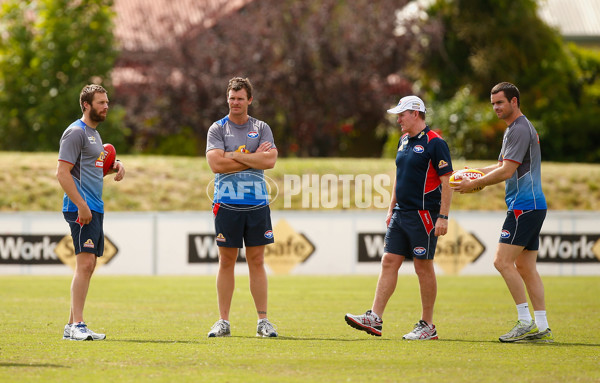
161, 183
156, 331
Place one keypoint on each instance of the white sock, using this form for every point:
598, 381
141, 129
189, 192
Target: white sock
541, 320
261, 320
523, 311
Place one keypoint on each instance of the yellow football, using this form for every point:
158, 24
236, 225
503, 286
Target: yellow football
471, 174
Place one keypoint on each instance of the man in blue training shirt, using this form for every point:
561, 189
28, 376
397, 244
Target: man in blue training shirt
239, 148
519, 164
417, 215
80, 174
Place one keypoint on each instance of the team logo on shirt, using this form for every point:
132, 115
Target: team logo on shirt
442, 164
419, 250
221, 237
100, 160
242, 149
418, 149
89, 243
253, 134
269, 234
92, 139
505, 234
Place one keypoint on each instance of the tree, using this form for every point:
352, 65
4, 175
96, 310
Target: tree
325, 71
50, 49
488, 41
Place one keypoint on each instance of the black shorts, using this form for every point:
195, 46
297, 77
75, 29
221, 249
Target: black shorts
411, 234
522, 228
87, 238
239, 226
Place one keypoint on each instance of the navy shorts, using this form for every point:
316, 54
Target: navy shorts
87, 238
411, 234
237, 225
522, 228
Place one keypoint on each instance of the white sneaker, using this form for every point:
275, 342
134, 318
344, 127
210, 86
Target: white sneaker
79, 331
367, 322
521, 331
422, 331
96, 336
67, 332
265, 329
220, 328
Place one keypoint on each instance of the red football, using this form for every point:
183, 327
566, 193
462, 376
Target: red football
109, 157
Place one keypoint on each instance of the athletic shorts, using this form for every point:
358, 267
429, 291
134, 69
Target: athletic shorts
522, 228
238, 226
411, 234
87, 238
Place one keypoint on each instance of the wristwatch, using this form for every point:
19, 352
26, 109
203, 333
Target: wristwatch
442, 216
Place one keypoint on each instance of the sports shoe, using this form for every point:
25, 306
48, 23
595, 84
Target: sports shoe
79, 331
367, 322
96, 336
422, 331
519, 332
67, 332
265, 329
220, 328
541, 337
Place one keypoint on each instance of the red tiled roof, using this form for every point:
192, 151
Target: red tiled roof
150, 24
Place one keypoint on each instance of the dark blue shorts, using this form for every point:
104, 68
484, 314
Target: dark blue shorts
87, 238
522, 228
239, 225
411, 234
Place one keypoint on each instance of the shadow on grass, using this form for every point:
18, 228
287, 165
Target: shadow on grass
280, 338
154, 341
523, 343
43, 365
369, 339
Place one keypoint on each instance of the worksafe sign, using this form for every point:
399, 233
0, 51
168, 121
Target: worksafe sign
29, 249
202, 248
45, 250
457, 249
66, 252
569, 248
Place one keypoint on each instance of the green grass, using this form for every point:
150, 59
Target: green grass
161, 183
156, 329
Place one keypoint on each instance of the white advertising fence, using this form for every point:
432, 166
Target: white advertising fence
306, 242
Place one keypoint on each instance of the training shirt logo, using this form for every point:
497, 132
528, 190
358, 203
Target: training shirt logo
100, 160
269, 234
89, 243
505, 234
418, 149
442, 164
253, 134
92, 139
419, 250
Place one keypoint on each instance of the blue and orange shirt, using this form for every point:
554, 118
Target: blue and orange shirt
420, 161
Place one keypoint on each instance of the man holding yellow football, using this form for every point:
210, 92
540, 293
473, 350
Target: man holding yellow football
519, 164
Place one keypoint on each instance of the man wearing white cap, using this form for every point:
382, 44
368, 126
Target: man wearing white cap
417, 215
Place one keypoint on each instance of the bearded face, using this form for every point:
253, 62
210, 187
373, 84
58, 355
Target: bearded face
97, 116
98, 108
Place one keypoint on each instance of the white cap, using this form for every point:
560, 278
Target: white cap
408, 103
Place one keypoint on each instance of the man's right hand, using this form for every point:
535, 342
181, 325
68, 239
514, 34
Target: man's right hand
85, 215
